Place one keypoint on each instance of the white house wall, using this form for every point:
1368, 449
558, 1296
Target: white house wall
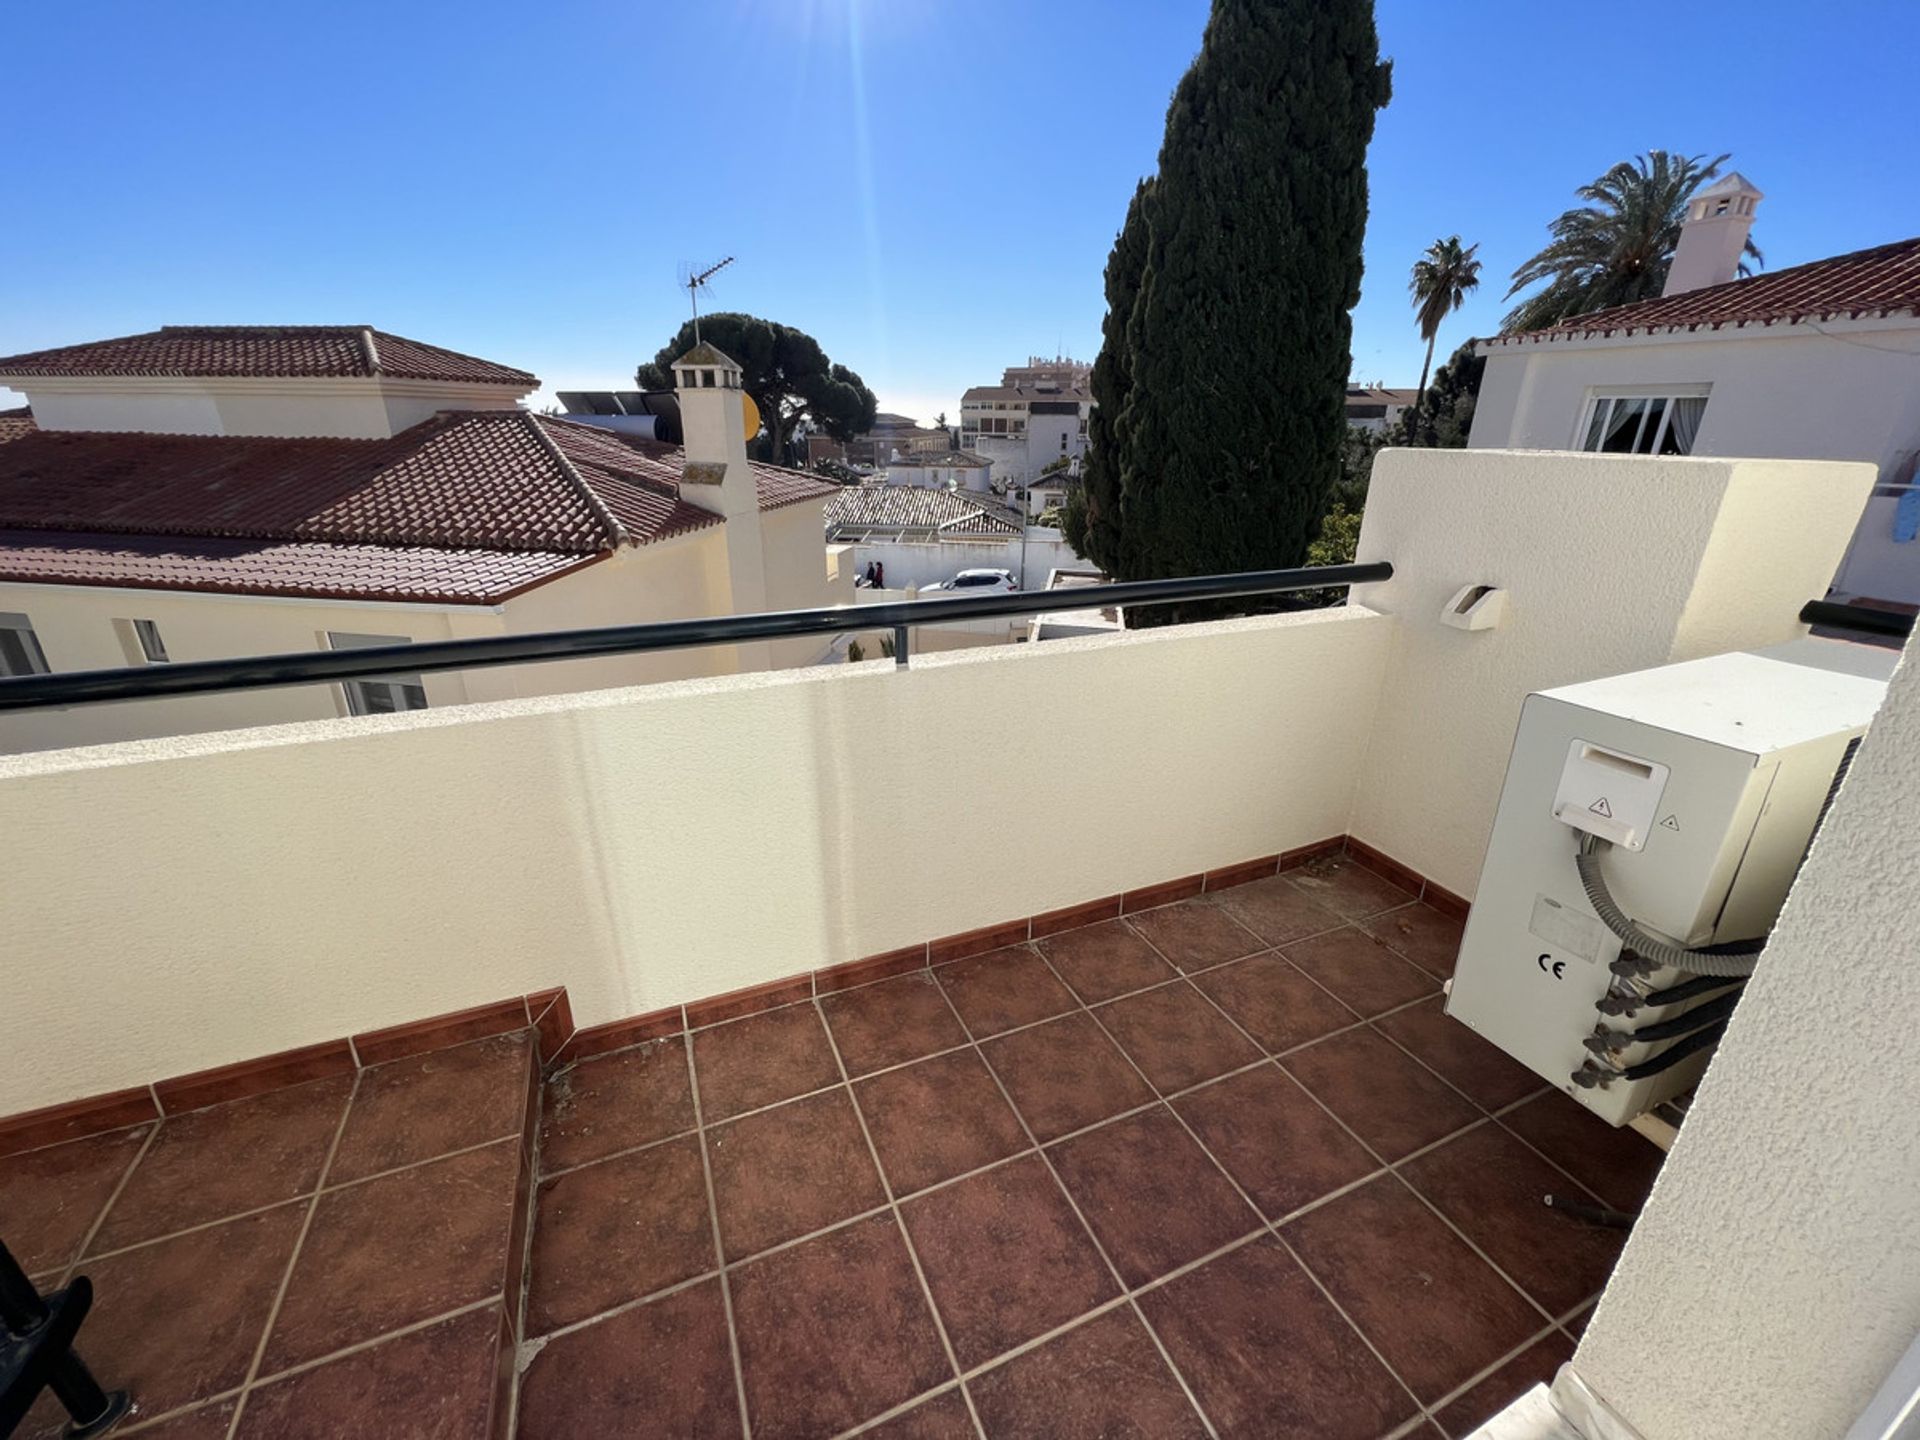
676, 579
923, 563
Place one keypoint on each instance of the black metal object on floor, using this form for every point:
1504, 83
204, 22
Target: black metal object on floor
36, 1353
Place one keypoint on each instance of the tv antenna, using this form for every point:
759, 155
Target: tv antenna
693, 280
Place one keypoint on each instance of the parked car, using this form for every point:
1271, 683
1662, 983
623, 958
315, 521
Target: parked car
974, 582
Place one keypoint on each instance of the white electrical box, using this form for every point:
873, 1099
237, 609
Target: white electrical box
1706, 779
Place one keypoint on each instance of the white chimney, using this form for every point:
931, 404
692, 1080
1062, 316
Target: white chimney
1719, 218
718, 477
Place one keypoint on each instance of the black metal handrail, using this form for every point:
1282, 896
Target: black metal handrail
256, 672
1838, 615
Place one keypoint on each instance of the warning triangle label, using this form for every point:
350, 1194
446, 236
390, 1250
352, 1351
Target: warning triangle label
1600, 807
1670, 823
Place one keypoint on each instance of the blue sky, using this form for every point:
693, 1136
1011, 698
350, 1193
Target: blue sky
930, 187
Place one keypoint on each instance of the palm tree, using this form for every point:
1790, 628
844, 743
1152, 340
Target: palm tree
1442, 280
1616, 248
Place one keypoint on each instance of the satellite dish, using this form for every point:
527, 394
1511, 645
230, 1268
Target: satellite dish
753, 414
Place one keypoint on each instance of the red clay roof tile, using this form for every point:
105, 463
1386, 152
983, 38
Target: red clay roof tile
1882, 281
466, 507
264, 351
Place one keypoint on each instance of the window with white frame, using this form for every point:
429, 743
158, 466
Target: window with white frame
1644, 423
20, 652
379, 694
141, 640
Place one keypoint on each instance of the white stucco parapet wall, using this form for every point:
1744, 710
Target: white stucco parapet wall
190, 902
1611, 563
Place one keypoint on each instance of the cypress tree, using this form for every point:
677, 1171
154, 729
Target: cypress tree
1092, 522
1237, 346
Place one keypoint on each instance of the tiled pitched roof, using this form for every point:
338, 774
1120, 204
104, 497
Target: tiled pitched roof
469, 506
916, 507
419, 574
1882, 281
264, 351
942, 459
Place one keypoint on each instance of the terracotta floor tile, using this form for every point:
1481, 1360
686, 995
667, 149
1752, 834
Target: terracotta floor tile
617, 1230
1436, 1311
1176, 1036
1422, 934
1277, 910
1392, 1102
1196, 933
945, 1417
398, 1249
1274, 1003
1487, 1074
1268, 1356
892, 1022
51, 1197
615, 1102
1617, 1165
753, 1062
1283, 1148
1065, 1075
834, 1331
1002, 989
1005, 1257
936, 1119
783, 1172
1102, 1379
1344, 885
1104, 960
426, 1105
667, 1360
1536, 1365
1363, 974
435, 1384
1153, 1197
1489, 1184
178, 1320
219, 1161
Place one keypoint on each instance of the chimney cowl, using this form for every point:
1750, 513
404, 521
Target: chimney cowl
1714, 235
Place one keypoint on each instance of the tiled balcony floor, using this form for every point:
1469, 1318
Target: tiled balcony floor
1221, 1167
334, 1258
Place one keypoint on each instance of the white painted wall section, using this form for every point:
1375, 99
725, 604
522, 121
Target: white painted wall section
192, 902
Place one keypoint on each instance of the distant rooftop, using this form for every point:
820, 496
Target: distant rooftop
917, 507
263, 352
955, 459
468, 507
1882, 281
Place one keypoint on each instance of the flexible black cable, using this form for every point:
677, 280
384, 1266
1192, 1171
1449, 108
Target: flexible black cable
1675, 1053
1687, 989
1704, 1013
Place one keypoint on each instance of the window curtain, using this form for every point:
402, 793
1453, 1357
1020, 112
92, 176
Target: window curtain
1683, 421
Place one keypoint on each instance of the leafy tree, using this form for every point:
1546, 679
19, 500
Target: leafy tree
1450, 404
1091, 523
1617, 247
1442, 280
1228, 438
784, 370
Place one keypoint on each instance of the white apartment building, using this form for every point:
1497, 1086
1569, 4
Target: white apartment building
1036, 415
